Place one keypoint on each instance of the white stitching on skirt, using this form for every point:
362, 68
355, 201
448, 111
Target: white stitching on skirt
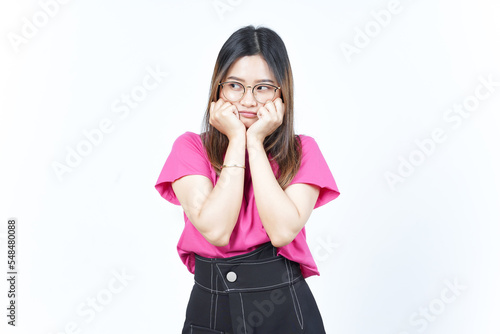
245, 256
300, 310
211, 295
243, 310
244, 263
242, 257
223, 281
288, 272
291, 295
246, 289
216, 299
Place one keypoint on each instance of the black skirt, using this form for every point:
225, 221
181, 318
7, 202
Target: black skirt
253, 293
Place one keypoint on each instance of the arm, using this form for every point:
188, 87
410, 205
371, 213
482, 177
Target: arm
283, 213
215, 210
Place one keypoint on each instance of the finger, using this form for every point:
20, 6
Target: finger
226, 104
214, 106
272, 109
218, 103
280, 106
219, 107
262, 112
229, 106
211, 113
270, 106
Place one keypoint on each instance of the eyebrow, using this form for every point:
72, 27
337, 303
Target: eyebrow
261, 80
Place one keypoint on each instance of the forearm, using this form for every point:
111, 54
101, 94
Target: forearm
278, 213
221, 208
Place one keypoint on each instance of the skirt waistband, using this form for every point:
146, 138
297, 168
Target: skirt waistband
258, 270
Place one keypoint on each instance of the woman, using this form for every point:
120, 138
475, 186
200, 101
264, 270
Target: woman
247, 186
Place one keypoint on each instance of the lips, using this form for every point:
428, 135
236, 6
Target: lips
248, 114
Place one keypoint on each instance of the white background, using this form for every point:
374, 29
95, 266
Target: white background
385, 253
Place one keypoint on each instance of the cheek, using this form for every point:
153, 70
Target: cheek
221, 96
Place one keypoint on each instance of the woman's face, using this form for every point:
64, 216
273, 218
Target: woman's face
249, 71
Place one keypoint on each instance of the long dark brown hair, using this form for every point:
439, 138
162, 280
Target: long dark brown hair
282, 145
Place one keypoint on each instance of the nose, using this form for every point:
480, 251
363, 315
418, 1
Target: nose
248, 100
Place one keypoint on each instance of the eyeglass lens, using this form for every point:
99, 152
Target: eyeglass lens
233, 91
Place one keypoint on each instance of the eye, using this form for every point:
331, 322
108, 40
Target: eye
234, 86
263, 88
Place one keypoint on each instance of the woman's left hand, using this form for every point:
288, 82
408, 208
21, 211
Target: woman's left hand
270, 118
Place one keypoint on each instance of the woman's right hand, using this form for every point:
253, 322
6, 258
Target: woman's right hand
224, 117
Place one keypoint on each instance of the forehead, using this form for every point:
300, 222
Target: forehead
251, 69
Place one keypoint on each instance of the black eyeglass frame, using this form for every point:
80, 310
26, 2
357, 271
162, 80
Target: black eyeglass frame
221, 84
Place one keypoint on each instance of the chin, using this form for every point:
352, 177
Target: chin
249, 124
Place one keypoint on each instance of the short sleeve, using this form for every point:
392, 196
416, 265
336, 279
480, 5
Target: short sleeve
187, 157
314, 170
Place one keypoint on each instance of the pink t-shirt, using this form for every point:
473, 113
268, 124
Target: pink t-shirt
188, 156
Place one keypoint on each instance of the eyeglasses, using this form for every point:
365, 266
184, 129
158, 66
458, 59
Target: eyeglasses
234, 91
